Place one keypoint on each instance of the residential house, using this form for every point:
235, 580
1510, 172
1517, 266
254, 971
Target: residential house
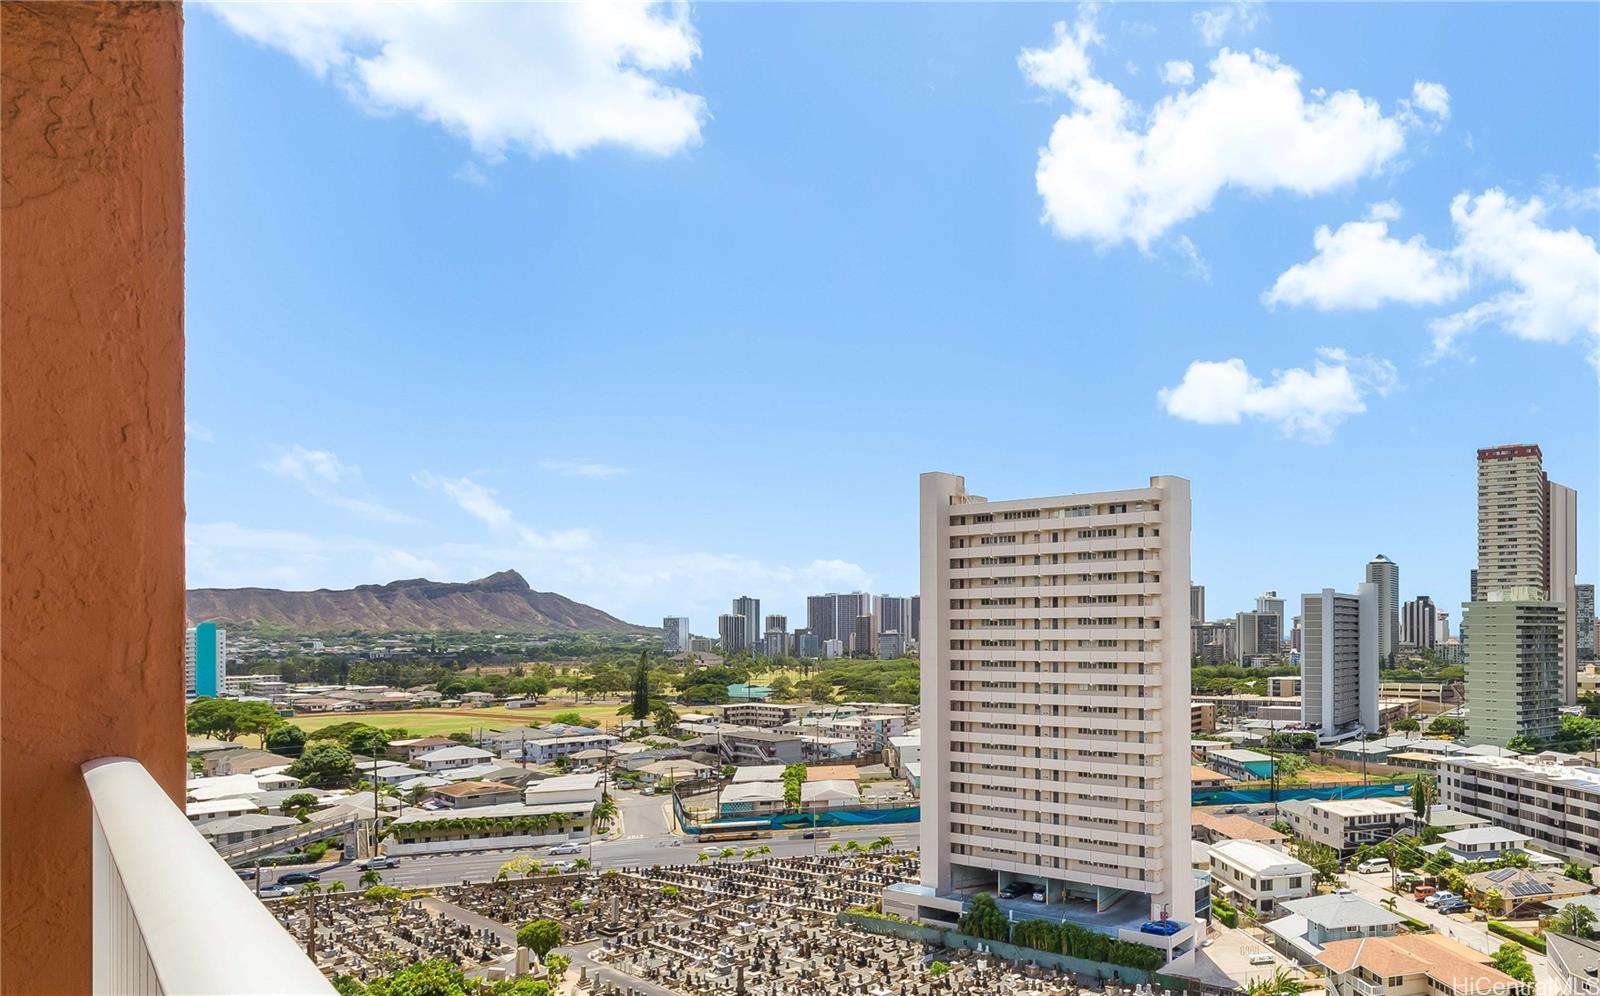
455, 756
1574, 962
1213, 828
469, 795
1520, 889
1312, 923
1346, 824
1411, 965
242, 761
1490, 843
211, 810
903, 750
415, 748
1251, 874
247, 826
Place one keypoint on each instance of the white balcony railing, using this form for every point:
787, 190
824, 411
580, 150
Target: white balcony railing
170, 917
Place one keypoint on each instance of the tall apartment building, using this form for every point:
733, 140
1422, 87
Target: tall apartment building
1268, 603
205, 659
1339, 661
750, 608
1514, 673
1385, 573
864, 637
1055, 708
1528, 538
894, 613
775, 636
1583, 598
674, 634
1419, 621
806, 644
732, 628
1197, 602
1258, 634
833, 616
1441, 627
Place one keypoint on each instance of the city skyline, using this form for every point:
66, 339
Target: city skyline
481, 350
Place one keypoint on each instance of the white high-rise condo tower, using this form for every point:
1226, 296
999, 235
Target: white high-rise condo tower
1055, 710
1339, 661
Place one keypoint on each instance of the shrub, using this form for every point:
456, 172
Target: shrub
1521, 937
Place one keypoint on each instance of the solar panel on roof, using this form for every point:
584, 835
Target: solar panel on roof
1528, 887
1502, 874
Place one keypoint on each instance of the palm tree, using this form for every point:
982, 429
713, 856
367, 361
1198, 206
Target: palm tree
369, 878
336, 887
311, 888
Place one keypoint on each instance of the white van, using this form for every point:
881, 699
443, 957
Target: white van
1373, 865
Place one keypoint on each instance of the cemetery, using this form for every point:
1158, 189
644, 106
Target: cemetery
731, 925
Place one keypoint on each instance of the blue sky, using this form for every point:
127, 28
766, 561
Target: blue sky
660, 307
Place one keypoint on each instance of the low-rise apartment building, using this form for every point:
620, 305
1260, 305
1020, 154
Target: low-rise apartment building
470, 795
1311, 924
1553, 798
1346, 824
762, 747
763, 715
1250, 874
1240, 765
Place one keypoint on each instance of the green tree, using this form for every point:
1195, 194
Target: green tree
1324, 860
1290, 766
298, 805
641, 687
539, 936
286, 739
1576, 920
1424, 793
433, 977
794, 778
665, 720
1522, 745
370, 877
1509, 959
324, 765
1405, 725
984, 920
570, 717
1280, 983
1448, 726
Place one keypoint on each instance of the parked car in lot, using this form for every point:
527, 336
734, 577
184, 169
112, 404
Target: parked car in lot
298, 878
566, 849
1166, 928
382, 861
1016, 890
276, 890
1038, 895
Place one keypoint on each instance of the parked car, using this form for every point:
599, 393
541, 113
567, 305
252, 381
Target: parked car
1166, 928
1038, 895
247, 874
275, 890
1439, 897
382, 861
1016, 890
1422, 892
1372, 866
566, 849
298, 878
1456, 905
1261, 958
816, 834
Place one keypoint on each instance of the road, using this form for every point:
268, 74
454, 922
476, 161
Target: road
646, 838
1457, 926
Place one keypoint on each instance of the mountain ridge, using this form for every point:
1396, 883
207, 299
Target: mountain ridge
502, 600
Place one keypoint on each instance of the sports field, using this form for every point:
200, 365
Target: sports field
443, 722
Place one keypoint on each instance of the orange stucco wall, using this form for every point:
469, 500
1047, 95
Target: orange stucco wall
91, 447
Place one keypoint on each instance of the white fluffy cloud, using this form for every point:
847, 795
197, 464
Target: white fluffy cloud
1110, 174
536, 77
1178, 72
1309, 404
1550, 278
332, 481
1361, 266
1431, 98
1544, 281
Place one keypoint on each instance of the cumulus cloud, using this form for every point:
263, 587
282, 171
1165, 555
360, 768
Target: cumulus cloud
1361, 266
1178, 72
1432, 98
1111, 174
581, 468
331, 481
481, 503
1543, 282
534, 77
1550, 278
1306, 404
1216, 23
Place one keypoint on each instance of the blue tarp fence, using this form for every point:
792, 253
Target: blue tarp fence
1257, 796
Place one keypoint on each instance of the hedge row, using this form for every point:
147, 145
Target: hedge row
1523, 938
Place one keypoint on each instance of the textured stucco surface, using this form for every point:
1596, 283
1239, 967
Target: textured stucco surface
91, 494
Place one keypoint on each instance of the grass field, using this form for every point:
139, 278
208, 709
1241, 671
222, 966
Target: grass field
443, 722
